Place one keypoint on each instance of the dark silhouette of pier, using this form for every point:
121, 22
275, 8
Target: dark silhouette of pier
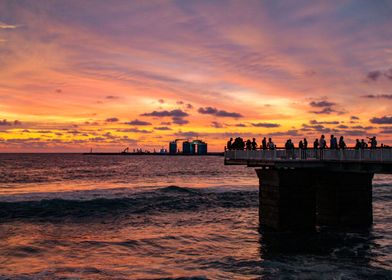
302, 189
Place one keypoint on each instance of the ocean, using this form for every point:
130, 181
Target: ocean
71, 216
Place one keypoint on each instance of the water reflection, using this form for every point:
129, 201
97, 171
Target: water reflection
345, 244
331, 253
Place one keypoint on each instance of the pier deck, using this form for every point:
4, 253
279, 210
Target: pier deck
366, 160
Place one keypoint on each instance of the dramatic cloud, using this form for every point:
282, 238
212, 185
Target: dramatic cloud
377, 74
188, 134
134, 130
208, 110
323, 122
240, 125
177, 115
7, 123
267, 125
388, 73
354, 118
378, 96
325, 106
162, 128
97, 139
362, 127
355, 133
217, 124
138, 122
381, 120
174, 113
179, 120
112, 97
325, 111
307, 127
374, 75
24, 141
161, 101
321, 104
218, 113
292, 132
319, 128
112, 120
73, 131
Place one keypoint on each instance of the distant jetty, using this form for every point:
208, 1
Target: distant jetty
153, 154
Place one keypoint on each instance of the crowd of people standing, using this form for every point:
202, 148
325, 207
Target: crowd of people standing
240, 144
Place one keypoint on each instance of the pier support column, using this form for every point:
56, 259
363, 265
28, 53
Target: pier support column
287, 199
344, 199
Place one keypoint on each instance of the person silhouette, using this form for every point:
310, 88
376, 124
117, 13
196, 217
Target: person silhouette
363, 144
342, 144
254, 144
230, 143
373, 142
323, 143
264, 144
316, 146
357, 144
248, 144
270, 144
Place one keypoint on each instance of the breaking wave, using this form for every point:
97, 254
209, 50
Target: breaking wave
168, 199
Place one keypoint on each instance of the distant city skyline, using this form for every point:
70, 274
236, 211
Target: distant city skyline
76, 75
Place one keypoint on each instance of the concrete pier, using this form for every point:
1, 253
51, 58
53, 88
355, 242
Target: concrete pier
344, 199
301, 199
301, 190
287, 199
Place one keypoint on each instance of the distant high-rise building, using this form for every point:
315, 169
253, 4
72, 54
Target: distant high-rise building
186, 147
202, 148
173, 147
189, 147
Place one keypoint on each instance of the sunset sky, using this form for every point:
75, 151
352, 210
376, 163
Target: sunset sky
106, 75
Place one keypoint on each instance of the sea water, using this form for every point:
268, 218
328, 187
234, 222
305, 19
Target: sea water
71, 216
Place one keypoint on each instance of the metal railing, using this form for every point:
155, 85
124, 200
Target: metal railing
279, 154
